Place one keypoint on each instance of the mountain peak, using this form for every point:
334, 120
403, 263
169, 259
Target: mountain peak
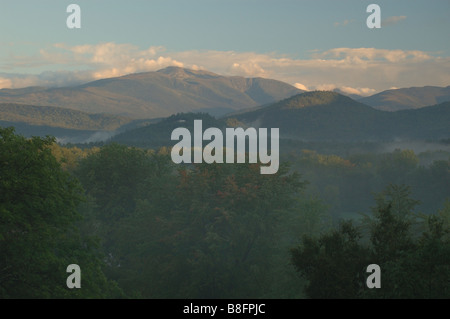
408, 98
157, 94
182, 73
313, 98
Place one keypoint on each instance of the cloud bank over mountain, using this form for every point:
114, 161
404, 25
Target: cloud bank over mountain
362, 71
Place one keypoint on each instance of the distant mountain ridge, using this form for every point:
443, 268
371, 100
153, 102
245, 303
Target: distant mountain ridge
317, 115
408, 98
173, 90
157, 94
59, 117
312, 116
331, 116
128, 102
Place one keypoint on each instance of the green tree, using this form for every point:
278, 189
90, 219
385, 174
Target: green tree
397, 167
333, 264
207, 231
38, 234
415, 262
114, 178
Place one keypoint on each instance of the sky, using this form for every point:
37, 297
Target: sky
313, 45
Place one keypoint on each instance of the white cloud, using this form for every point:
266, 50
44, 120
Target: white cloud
343, 23
111, 59
325, 87
5, 83
343, 89
360, 55
392, 20
248, 68
357, 91
10, 81
301, 86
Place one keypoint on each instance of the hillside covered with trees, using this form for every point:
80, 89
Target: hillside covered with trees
140, 226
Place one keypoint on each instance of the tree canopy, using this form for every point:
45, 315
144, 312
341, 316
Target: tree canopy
38, 214
412, 266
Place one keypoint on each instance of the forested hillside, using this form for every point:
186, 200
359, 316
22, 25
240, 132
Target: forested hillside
59, 117
140, 226
408, 98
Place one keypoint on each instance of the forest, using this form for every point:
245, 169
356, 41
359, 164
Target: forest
140, 226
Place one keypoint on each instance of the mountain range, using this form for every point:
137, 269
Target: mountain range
60, 117
311, 116
407, 98
158, 94
331, 116
136, 107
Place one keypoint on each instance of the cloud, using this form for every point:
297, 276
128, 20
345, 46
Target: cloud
344, 89
111, 59
5, 83
248, 68
392, 20
362, 70
301, 86
325, 87
357, 91
343, 23
92, 62
12, 81
361, 55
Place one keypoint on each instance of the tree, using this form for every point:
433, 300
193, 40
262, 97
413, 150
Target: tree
413, 265
114, 176
38, 215
333, 263
396, 167
206, 231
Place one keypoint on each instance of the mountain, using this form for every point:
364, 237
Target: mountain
318, 115
63, 135
431, 122
408, 98
159, 134
332, 116
59, 117
158, 94
350, 95
311, 116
